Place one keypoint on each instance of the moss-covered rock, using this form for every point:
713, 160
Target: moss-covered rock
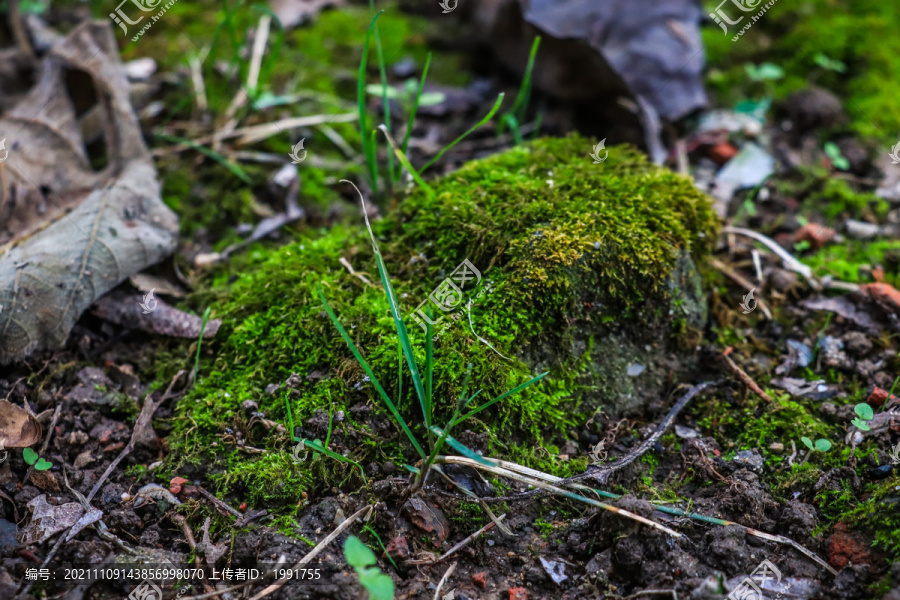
585, 271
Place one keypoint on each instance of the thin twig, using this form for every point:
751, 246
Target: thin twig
447, 574
469, 539
601, 473
788, 260
315, 551
256, 133
219, 503
510, 474
144, 421
748, 381
353, 272
741, 281
192, 542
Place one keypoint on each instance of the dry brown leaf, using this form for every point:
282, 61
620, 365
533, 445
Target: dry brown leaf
18, 427
124, 308
68, 233
49, 520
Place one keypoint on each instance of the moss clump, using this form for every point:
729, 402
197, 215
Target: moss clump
576, 255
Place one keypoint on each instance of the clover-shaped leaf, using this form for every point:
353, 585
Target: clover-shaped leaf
29, 455
807, 442
860, 424
864, 411
823, 445
360, 557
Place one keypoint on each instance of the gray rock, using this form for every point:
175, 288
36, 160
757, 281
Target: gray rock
749, 459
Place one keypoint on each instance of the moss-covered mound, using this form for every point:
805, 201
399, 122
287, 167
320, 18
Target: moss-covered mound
584, 271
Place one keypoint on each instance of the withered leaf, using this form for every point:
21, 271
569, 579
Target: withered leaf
18, 427
124, 308
49, 520
68, 233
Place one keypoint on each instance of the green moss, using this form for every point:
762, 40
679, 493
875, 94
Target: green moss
844, 261
545, 528
860, 34
599, 241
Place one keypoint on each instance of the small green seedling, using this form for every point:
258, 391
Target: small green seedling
358, 556
31, 457
821, 445
405, 94
837, 159
764, 72
829, 64
865, 414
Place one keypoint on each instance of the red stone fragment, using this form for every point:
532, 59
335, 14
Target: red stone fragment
176, 483
518, 594
722, 153
816, 235
480, 579
398, 548
846, 546
427, 518
883, 293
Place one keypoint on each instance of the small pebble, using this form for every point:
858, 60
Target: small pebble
881, 472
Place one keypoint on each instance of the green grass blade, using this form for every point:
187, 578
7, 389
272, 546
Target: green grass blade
501, 397
415, 107
235, 170
287, 404
395, 307
369, 372
384, 97
200, 343
335, 456
513, 123
399, 372
429, 368
368, 147
521, 103
462, 449
486, 118
405, 162
462, 395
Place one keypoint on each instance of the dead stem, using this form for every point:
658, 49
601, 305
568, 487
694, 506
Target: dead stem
469, 539
144, 421
447, 574
746, 379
